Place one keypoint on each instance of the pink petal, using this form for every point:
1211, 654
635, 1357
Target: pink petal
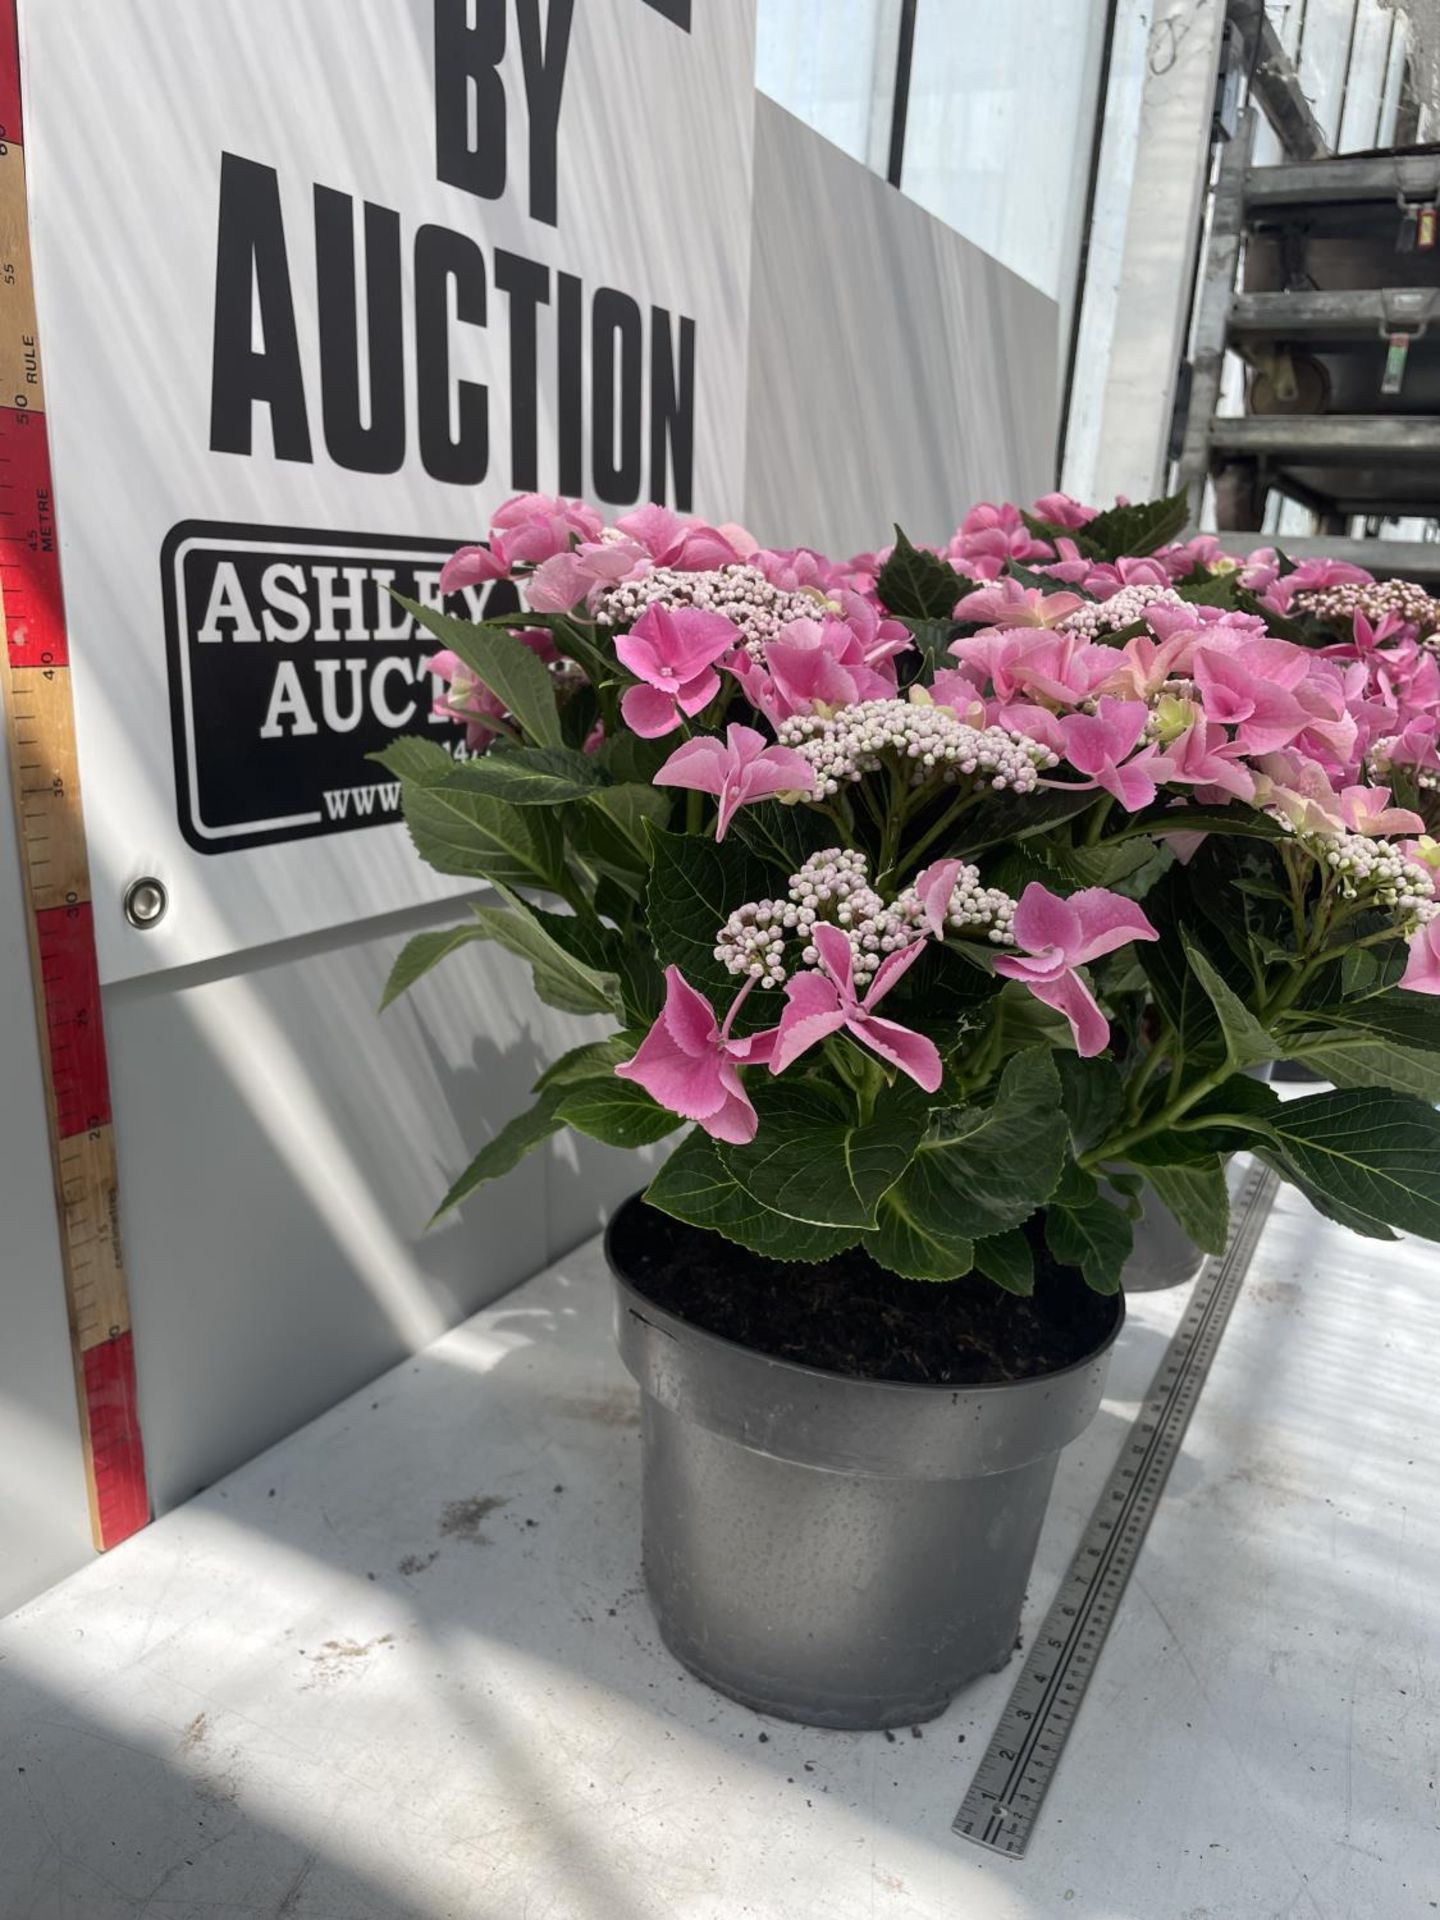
557, 584
703, 548
745, 744
1107, 920
736, 1120
756, 1049
1131, 784
649, 712
657, 528
812, 1011
1069, 995
892, 968
1030, 967
645, 658
470, 565
835, 957
778, 770
689, 1086
1044, 921
933, 887
688, 639
694, 694
902, 1047
701, 764
1422, 970
731, 799
688, 1015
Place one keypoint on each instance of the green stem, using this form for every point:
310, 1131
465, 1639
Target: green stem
988, 1052
897, 807
1174, 1109
694, 804
927, 839
1140, 1079
1095, 822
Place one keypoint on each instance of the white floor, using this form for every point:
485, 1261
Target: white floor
401, 1665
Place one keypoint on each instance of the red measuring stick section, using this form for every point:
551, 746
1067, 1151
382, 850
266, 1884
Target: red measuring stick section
122, 1504
29, 558
10, 130
70, 978
35, 631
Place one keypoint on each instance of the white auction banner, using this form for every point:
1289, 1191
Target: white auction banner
319, 284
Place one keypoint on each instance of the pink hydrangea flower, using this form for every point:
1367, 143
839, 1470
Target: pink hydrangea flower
814, 663
953, 688
1036, 663
1265, 716
989, 537
825, 1001
738, 770
1100, 743
1367, 810
563, 581
1143, 667
1203, 756
1060, 935
690, 1065
467, 698
1313, 575
673, 652
1422, 969
1005, 603
1106, 577
1260, 570
878, 638
1061, 511
674, 540
469, 566
536, 525
1299, 788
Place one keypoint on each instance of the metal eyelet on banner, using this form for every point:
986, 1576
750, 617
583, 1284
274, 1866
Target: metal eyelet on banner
146, 901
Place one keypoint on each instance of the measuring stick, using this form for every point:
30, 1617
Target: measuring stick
1012, 1779
40, 736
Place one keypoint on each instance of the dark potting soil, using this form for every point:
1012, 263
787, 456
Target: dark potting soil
850, 1316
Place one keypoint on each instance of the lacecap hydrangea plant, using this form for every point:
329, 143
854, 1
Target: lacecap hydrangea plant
945, 891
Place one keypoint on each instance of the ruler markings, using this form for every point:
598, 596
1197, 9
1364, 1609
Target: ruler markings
1005, 1796
55, 869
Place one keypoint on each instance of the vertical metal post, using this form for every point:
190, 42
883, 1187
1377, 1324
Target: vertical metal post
904, 54
1213, 316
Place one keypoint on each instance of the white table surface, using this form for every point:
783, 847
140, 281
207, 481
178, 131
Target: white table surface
402, 1665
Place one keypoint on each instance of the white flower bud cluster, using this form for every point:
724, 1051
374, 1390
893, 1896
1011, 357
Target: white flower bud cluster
741, 593
1337, 606
926, 740
1122, 609
752, 940
1380, 766
833, 886
973, 908
1378, 872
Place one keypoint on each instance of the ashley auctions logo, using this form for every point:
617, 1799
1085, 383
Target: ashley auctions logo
290, 662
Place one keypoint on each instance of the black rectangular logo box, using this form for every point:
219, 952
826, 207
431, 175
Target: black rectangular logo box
289, 663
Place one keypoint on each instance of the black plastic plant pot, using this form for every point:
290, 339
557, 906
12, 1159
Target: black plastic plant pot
829, 1549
